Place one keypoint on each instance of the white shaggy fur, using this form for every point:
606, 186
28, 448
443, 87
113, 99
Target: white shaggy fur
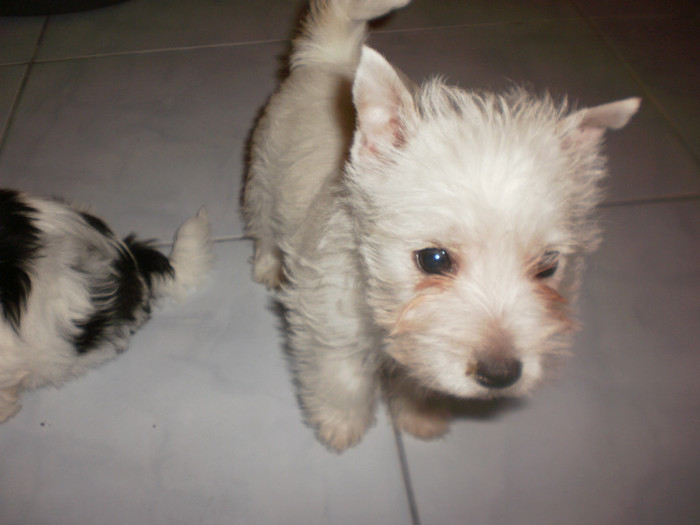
428, 242
74, 277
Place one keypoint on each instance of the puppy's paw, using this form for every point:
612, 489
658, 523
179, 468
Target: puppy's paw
339, 434
423, 424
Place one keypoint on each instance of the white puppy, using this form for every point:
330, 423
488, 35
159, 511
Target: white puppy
428, 242
72, 293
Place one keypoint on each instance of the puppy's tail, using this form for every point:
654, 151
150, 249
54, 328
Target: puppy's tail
187, 267
334, 30
192, 255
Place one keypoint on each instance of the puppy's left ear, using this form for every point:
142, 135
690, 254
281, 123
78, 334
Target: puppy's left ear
593, 122
383, 104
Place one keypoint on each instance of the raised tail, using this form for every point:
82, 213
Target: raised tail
187, 266
192, 256
334, 30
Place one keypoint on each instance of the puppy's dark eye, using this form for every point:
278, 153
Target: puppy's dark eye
547, 267
434, 261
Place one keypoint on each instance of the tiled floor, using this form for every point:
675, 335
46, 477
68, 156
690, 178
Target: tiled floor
142, 110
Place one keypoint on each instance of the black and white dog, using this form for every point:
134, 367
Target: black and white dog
72, 292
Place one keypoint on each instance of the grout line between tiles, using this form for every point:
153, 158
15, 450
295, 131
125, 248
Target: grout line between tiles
4, 132
222, 45
408, 485
196, 47
159, 50
670, 199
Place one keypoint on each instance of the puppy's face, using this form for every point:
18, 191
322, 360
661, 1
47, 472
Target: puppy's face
469, 267
472, 216
472, 313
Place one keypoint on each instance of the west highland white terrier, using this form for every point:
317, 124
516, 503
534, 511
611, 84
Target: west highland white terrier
424, 240
72, 293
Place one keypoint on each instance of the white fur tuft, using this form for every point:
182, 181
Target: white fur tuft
191, 257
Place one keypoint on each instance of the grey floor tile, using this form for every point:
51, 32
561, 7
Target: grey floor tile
144, 139
138, 25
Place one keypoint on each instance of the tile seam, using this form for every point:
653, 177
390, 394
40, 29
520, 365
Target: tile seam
28, 66
405, 474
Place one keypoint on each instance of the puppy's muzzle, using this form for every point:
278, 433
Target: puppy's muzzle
495, 364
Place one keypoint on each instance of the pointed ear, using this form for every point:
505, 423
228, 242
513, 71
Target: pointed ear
383, 103
593, 122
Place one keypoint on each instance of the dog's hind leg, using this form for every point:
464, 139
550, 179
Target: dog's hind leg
259, 211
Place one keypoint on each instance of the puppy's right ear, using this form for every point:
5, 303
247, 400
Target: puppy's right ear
384, 107
594, 122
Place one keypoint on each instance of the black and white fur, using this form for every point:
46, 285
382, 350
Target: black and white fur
72, 292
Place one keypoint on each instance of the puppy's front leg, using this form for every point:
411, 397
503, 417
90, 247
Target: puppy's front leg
334, 358
338, 393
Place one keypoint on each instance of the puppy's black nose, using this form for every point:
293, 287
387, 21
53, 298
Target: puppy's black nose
497, 372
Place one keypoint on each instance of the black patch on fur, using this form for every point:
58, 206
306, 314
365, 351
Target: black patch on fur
98, 224
93, 331
19, 244
130, 288
150, 261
